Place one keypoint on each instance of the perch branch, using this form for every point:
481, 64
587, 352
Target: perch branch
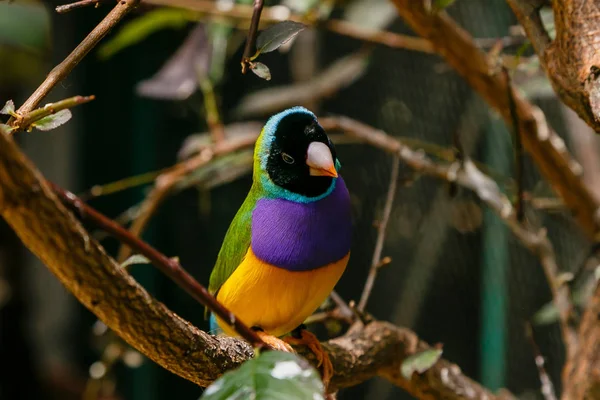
168, 266
63, 69
381, 228
572, 59
547, 150
44, 225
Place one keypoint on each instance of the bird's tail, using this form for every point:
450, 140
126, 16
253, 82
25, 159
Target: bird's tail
214, 327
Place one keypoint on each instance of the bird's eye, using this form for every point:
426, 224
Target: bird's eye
287, 158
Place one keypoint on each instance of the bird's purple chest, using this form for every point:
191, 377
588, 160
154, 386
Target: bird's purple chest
303, 236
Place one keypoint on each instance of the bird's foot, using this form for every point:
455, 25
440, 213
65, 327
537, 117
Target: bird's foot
308, 339
275, 342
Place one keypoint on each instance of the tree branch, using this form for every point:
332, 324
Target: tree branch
572, 60
252, 34
547, 150
63, 69
28, 204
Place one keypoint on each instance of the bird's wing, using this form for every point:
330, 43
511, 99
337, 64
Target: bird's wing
235, 245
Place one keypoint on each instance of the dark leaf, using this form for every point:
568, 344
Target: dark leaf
178, 77
143, 26
261, 70
277, 35
8, 108
53, 121
273, 375
420, 362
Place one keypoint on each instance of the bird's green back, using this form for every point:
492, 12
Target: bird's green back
236, 243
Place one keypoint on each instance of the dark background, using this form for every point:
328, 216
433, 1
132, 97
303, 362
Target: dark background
457, 277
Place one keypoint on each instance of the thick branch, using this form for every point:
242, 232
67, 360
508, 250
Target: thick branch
572, 60
547, 150
581, 375
98, 282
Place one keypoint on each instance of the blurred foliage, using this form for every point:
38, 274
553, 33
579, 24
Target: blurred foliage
25, 35
143, 26
273, 375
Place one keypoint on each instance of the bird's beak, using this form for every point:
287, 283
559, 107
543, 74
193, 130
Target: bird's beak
320, 160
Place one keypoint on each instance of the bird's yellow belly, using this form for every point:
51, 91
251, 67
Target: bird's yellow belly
275, 299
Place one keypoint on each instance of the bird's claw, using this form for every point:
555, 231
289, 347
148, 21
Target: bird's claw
275, 342
308, 339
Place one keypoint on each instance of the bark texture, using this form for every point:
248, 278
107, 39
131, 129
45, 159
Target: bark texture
572, 59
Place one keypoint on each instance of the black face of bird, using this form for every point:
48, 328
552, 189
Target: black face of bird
301, 157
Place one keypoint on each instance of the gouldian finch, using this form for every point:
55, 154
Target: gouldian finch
289, 243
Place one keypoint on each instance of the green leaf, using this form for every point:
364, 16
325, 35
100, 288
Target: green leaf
420, 362
25, 26
273, 375
261, 70
8, 108
53, 120
135, 259
546, 315
141, 27
439, 5
277, 35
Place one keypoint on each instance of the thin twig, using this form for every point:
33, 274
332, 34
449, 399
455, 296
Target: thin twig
168, 266
65, 8
381, 228
516, 128
63, 69
547, 388
341, 304
211, 109
23, 122
252, 33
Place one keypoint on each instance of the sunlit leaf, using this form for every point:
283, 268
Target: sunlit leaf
141, 27
178, 77
8, 108
273, 375
53, 121
134, 260
261, 70
420, 362
277, 35
441, 4
372, 14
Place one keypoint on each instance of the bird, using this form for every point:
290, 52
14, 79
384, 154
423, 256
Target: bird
289, 243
